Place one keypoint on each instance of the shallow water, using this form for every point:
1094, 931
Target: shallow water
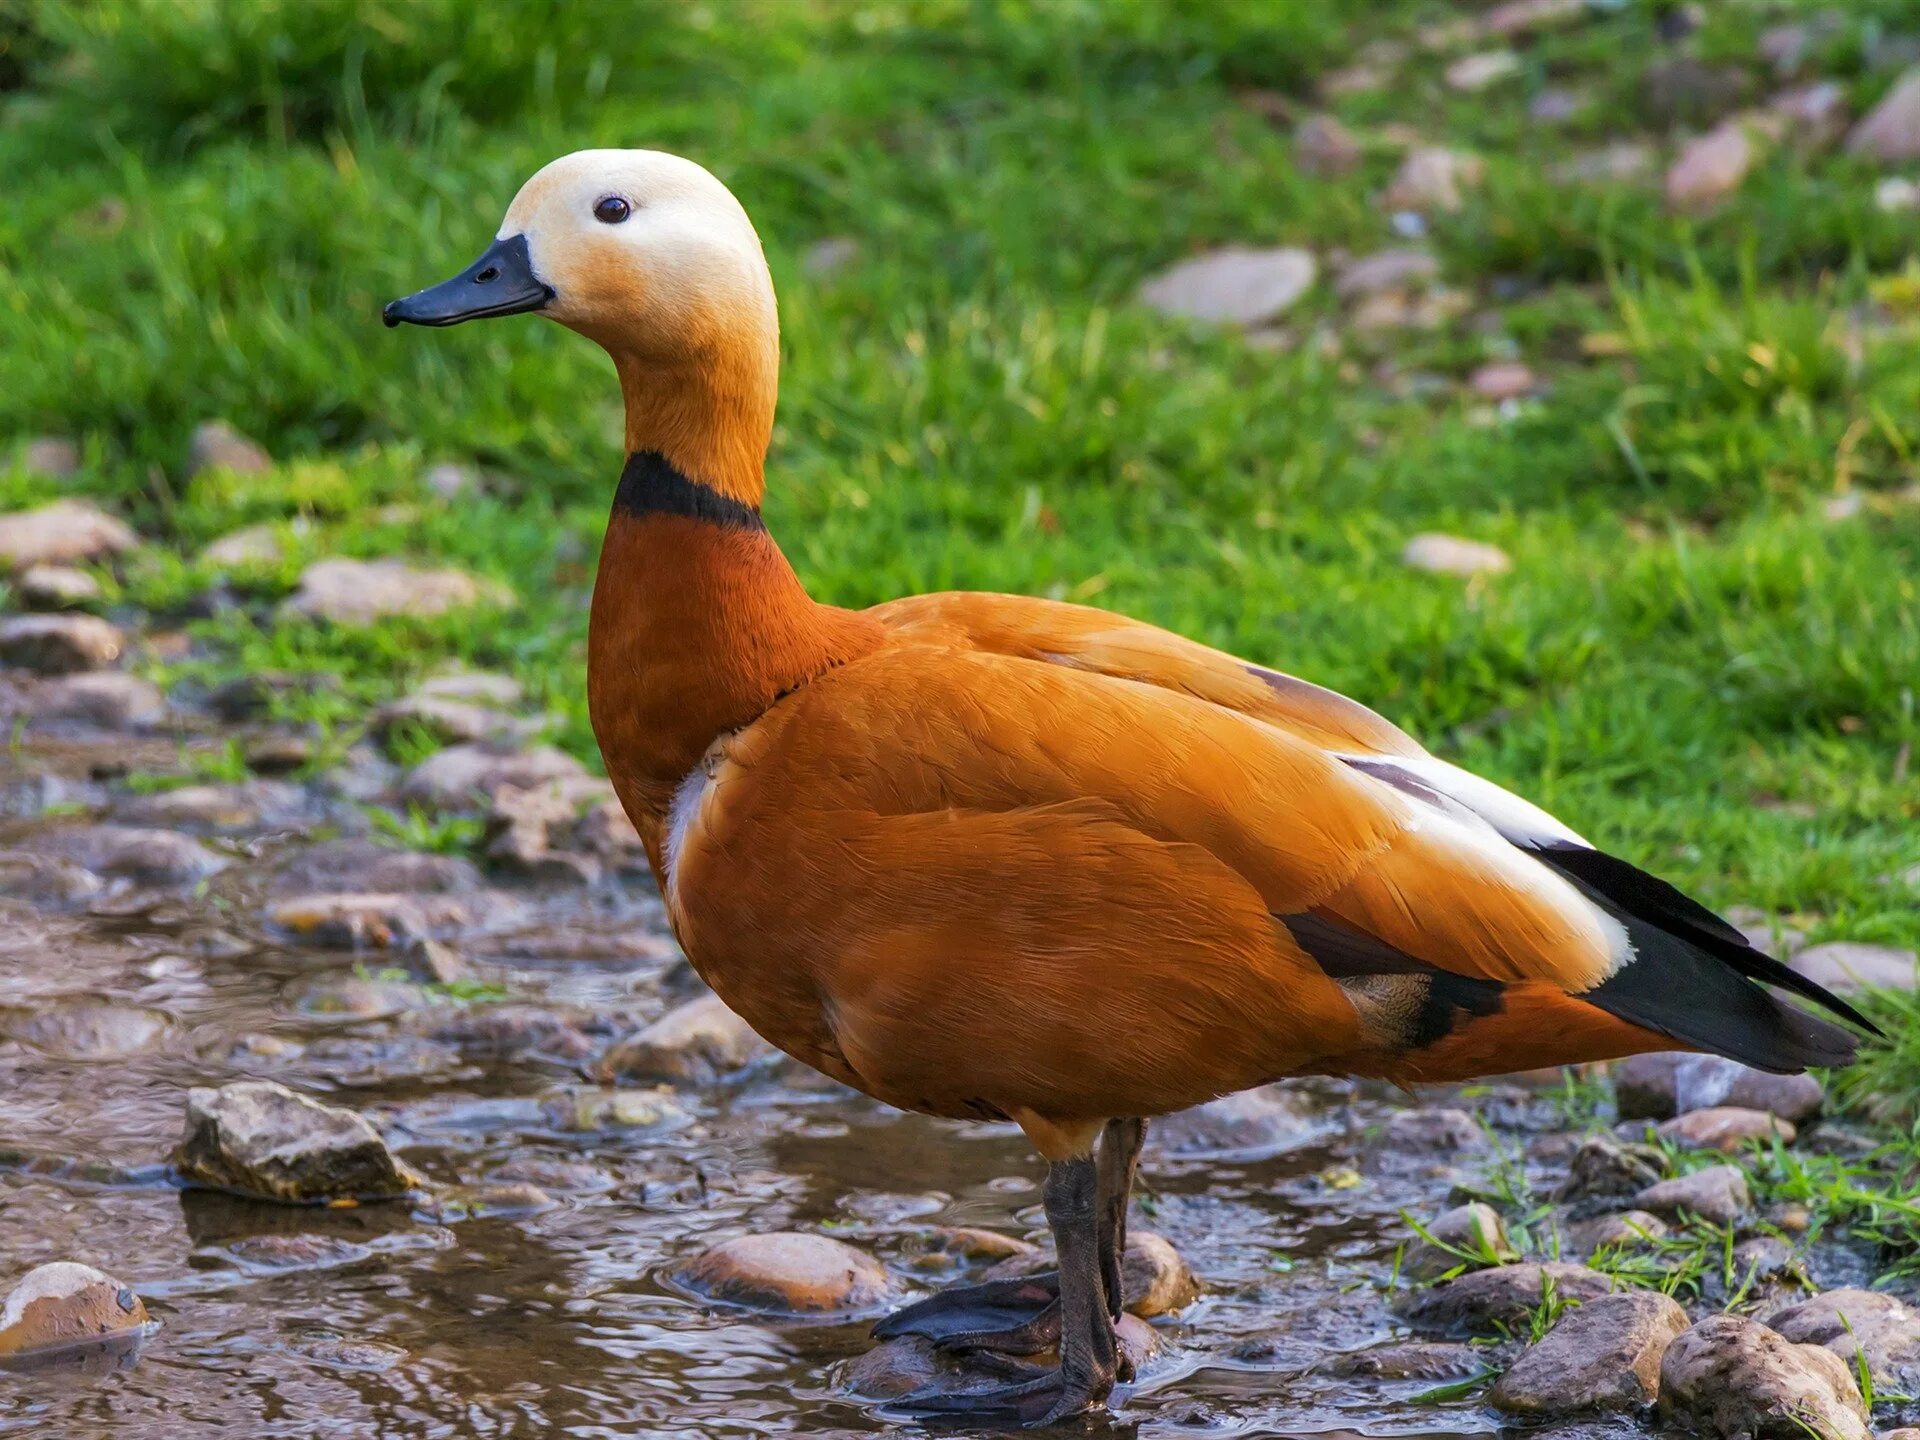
564, 1322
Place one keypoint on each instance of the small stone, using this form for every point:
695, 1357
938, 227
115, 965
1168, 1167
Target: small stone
451, 481
1453, 555
1730, 1376
969, 1242
1814, 115
1602, 1168
1438, 1129
50, 457
435, 963
1896, 195
359, 592
1323, 146
472, 687
1467, 1237
698, 1043
1397, 269
1622, 1230
1233, 285
1786, 46
1717, 1195
90, 1030
1503, 380
1661, 1085
362, 921
583, 1109
277, 753
1726, 1128
466, 777
56, 587
912, 1366
60, 533
606, 831
788, 1273
486, 1202
1154, 1277
207, 807
1602, 1355
1853, 1323
1434, 178
520, 832
1846, 965
248, 697
59, 644
1528, 17
108, 699
447, 722
1710, 167
28, 875
553, 1174
1249, 1124
62, 1305
254, 546
1486, 1302
365, 867
257, 1138
153, 857
1618, 161
296, 1252
1890, 132
362, 997
505, 1032
216, 445
1476, 72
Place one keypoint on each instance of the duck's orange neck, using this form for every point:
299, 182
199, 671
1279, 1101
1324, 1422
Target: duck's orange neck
707, 411
699, 625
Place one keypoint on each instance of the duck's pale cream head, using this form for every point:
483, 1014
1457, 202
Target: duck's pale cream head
651, 257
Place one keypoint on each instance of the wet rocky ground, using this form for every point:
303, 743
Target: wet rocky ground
304, 1127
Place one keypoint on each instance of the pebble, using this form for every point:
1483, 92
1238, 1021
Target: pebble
1527, 17
1814, 115
277, 753
912, 1366
486, 1202
56, 587
1440, 554
359, 592
359, 922
522, 825
1726, 1128
1710, 167
1432, 177
1618, 161
575, 1177
59, 644
368, 867
1503, 380
1467, 1237
1154, 1277
1234, 285
465, 777
1604, 1354
63, 1304
1486, 1302
448, 721
790, 1273
216, 445
1717, 1194
1400, 268
1729, 1376
1324, 146
51, 457
1896, 195
697, 1042
214, 807
258, 1138
1250, 1124
1852, 1323
251, 546
505, 1032
154, 857
1604, 1169
108, 699
1472, 73
60, 533
1663, 1084
1622, 1229
584, 1109
1433, 1130
1846, 965
1890, 132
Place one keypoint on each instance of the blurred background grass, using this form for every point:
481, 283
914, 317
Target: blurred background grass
1692, 660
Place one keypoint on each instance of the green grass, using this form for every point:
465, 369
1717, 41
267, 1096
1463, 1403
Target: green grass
1688, 661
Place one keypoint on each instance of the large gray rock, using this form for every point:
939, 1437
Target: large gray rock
789, 1273
59, 644
697, 1042
1890, 132
65, 531
1503, 1299
1734, 1377
1233, 285
359, 592
1603, 1355
257, 1138
1662, 1085
62, 1305
1853, 1323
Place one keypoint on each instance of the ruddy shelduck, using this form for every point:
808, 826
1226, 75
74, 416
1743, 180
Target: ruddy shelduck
991, 857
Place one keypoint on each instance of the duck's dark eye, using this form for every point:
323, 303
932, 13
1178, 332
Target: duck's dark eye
611, 209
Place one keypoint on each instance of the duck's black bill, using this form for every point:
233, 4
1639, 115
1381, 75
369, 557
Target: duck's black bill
500, 282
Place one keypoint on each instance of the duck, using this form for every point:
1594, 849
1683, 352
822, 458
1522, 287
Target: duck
998, 858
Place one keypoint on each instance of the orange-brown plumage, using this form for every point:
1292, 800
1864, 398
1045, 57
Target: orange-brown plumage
989, 856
